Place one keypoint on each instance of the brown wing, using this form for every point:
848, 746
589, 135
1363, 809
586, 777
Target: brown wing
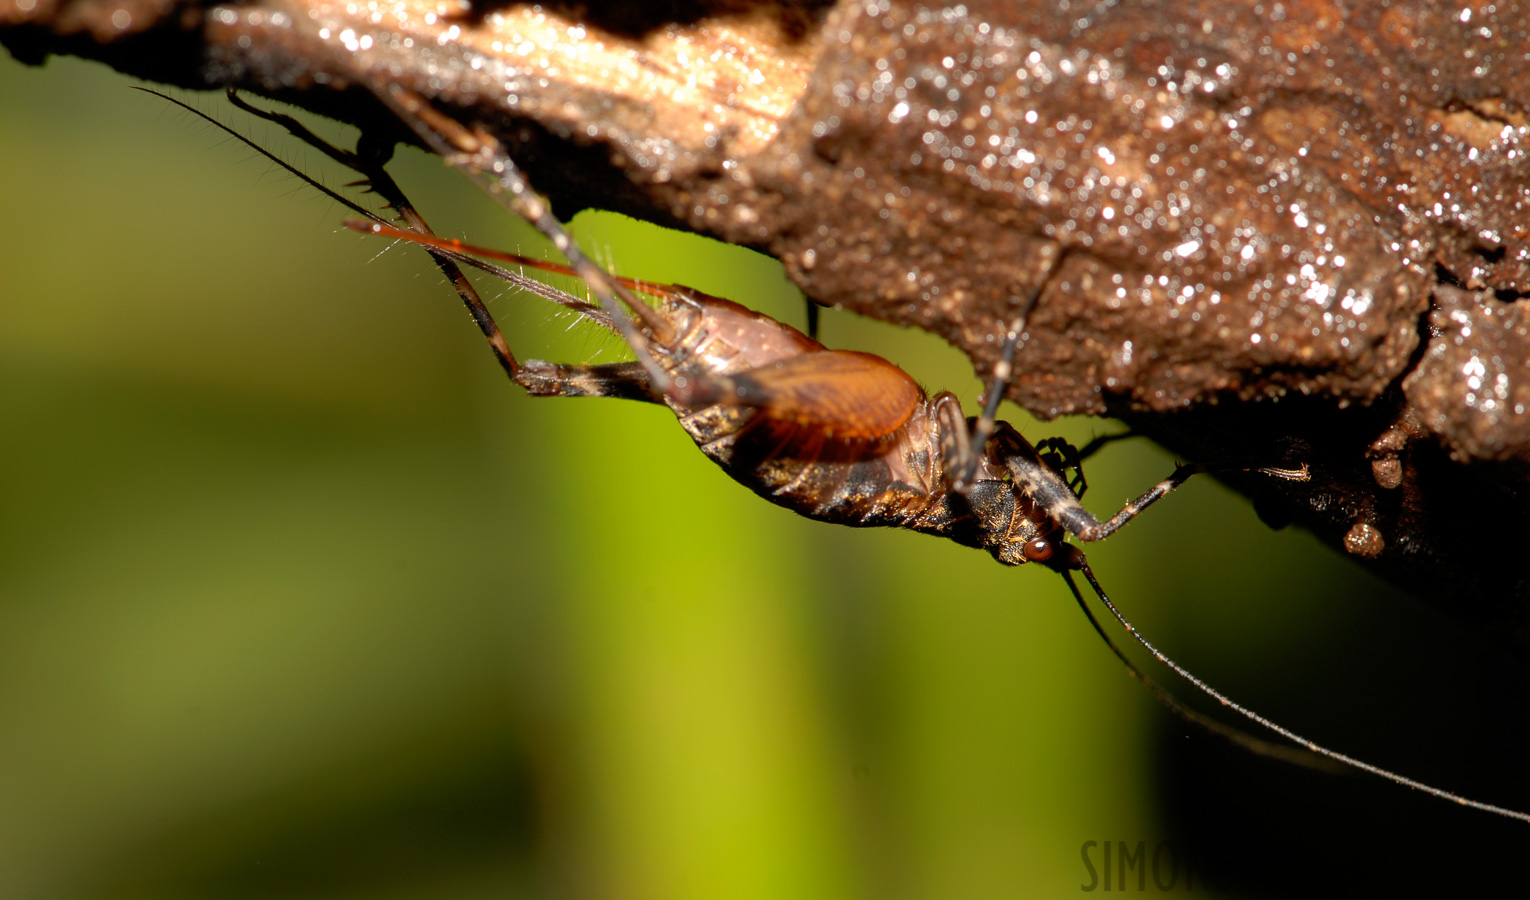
838, 394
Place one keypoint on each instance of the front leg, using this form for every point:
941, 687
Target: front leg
1045, 487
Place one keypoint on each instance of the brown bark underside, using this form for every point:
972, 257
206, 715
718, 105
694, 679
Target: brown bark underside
1270, 233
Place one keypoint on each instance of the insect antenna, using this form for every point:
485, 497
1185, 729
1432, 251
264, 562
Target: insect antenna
1082, 565
1241, 738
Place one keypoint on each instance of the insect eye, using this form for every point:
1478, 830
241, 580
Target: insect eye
1038, 550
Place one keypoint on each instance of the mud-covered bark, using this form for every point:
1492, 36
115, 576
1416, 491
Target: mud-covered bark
1271, 233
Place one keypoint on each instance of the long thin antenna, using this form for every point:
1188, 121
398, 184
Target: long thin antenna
1284, 732
1236, 736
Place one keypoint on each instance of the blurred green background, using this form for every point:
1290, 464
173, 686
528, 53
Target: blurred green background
299, 598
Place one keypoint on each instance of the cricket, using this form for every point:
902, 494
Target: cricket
838, 436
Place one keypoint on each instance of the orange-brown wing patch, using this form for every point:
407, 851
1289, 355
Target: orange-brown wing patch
840, 394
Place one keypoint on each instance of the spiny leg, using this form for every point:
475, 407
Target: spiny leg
480, 155
369, 165
1046, 487
628, 380
368, 162
967, 449
1082, 566
622, 380
960, 470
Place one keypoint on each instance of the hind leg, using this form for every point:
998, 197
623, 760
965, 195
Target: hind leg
479, 154
368, 161
626, 381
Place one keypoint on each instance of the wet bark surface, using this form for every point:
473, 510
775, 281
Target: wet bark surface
1262, 233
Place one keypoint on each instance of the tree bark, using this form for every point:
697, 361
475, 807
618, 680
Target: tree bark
1272, 234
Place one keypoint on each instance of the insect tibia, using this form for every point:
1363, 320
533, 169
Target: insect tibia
1300, 473
1049, 491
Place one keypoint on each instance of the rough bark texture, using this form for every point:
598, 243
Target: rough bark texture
1266, 233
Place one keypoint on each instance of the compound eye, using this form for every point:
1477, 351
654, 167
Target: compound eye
1038, 550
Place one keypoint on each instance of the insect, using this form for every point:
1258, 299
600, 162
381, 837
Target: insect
840, 436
